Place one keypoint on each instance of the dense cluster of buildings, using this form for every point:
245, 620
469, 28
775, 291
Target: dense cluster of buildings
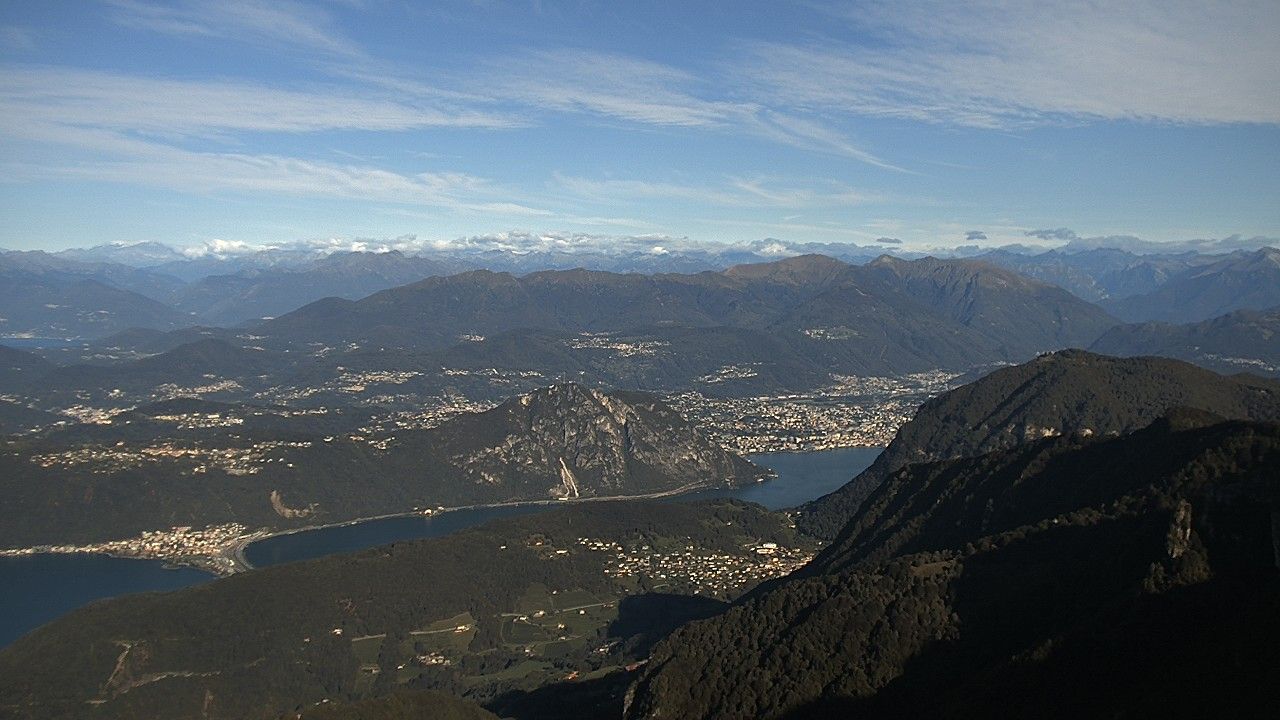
699, 570
107, 459
429, 414
852, 412
620, 348
210, 548
730, 372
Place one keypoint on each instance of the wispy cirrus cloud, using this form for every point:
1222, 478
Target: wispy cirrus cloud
276, 22
1003, 63
85, 98
734, 192
204, 172
607, 85
111, 156
187, 135
649, 93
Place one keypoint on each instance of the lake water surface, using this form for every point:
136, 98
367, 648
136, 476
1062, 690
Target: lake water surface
39, 588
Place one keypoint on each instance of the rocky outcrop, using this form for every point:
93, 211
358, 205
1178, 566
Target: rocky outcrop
568, 441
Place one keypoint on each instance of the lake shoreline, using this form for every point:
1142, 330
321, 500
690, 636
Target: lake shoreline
55, 583
231, 558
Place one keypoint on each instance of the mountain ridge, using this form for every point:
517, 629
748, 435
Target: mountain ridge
1071, 391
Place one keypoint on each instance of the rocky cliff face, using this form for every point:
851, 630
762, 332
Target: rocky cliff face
569, 441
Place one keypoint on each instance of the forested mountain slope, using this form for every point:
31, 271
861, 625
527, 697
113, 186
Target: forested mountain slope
1240, 341
1062, 393
490, 612
903, 315
1070, 577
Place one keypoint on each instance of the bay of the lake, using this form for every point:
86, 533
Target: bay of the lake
39, 588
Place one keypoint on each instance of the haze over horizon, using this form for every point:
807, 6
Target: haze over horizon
256, 124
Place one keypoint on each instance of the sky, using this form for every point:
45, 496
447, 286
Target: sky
921, 124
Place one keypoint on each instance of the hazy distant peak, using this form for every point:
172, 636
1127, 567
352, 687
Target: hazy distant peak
798, 269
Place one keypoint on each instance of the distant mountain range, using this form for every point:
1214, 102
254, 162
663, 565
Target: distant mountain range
888, 315
1240, 281
44, 297
786, 326
256, 293
232, 285
1066, 393
1181, 288
1240, 341
1102, 273
772, 326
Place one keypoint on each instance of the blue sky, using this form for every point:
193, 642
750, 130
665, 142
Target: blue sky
267, 122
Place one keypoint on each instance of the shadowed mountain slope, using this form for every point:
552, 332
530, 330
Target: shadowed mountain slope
1069, 577
1062, 393
1244, 340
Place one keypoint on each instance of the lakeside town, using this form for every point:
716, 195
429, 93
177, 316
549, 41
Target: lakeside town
851, 412
215, 549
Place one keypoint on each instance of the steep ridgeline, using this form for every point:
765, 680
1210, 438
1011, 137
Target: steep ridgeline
45, 301
492, 612
1101, 273
1067, 392
886, 316
251, 294
563, 442
1068, 577
1239, 281
1245, 340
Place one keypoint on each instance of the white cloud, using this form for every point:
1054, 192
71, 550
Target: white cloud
181, 107
1005, 63
609, 85
275, 22
649, 93
736, 192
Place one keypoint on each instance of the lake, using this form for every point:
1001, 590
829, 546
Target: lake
39, 588
801, 478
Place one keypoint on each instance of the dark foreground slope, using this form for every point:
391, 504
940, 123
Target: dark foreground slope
1245, 340
490, 612
1061, 393
1071, 577
409, 705
561, 442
